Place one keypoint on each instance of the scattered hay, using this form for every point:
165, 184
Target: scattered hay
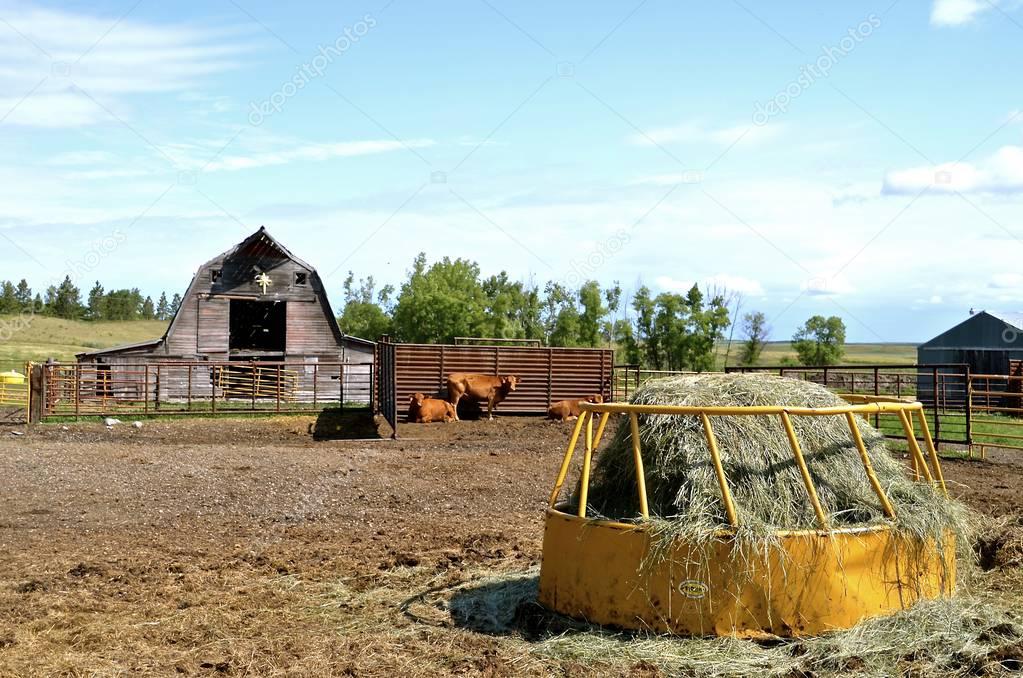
769, 494
950, 637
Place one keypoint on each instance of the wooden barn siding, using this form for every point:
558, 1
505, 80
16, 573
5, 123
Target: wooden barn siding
547, 374
214, 326
310, 330
183, 338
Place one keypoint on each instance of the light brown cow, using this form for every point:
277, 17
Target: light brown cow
567, 410
490, 388
423, 410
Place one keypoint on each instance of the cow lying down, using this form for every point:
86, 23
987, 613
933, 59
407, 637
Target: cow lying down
423, 410
567, 410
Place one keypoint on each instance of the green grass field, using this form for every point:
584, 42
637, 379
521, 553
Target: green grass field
855, 354
38, 338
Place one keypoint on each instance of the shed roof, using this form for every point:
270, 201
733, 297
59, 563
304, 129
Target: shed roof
983, 330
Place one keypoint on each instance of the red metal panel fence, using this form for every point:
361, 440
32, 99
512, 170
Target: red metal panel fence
547, 374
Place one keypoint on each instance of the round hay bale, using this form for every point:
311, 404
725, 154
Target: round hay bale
769, 494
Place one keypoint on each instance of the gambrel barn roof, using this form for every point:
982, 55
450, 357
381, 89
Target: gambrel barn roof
269, 253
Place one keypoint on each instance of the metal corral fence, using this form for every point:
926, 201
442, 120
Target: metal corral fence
546, 374
200, 387
944, 391
14, 392
996, 402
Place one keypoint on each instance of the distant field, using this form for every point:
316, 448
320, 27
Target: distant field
62, 339
855, 354
39, 338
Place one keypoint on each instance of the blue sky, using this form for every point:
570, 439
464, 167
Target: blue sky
864, 161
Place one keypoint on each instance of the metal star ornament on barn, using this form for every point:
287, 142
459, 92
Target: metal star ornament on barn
264, 281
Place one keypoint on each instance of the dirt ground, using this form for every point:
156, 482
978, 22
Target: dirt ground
253, 547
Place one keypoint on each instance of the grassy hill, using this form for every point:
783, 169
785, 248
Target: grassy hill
44, 337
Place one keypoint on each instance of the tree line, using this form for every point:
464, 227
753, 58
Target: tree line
65, 301
671, 331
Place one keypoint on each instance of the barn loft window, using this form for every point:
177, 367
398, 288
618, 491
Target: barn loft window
301, 278
216, 274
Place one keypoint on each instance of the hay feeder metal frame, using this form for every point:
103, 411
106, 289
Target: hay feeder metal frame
807, 582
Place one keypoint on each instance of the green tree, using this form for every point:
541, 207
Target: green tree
96, 303
175, 304
560, 315
67, 300
820, 341
8, 298
163, 307
707, 324
23, 293
755, 332
148, 311
439, 303
646, 310
361, 316
37, 304
592, 315
123, 304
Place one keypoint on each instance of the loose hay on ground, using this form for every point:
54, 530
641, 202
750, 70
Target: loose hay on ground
951, 637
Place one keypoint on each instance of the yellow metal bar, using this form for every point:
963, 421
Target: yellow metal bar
874, 482
932, 451
760, 410
803, 470
914, 449
563, 473
600, 429
715, 455
584, 480
637, 455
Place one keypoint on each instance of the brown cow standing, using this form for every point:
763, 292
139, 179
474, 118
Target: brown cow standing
493, 389
567, 410
423, 410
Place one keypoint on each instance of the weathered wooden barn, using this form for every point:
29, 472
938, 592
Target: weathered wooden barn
257, 307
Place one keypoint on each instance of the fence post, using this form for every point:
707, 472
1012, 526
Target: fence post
937, 419
77, 386
316, 375
188, 396
341, 386
213, 389
969, 407
550, 374
253, 376
278, 388
877, 391
37, 395
145, 389
156, 397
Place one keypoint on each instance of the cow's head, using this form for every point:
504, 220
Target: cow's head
509, 382
596, 399
416, 399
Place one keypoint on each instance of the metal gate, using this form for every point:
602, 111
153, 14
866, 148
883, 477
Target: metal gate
385, 397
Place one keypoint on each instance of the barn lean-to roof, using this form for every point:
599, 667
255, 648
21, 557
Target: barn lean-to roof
257, 244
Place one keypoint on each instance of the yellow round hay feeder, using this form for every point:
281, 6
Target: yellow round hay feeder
12, 377
807, 582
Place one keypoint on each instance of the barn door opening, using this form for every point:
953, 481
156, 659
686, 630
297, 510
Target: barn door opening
258, 326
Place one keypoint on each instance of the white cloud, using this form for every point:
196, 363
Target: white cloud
957, 12
827, 286
695, 132
1006, 281
1001, 172
733, 283
313, 152
45, 54
936, 299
